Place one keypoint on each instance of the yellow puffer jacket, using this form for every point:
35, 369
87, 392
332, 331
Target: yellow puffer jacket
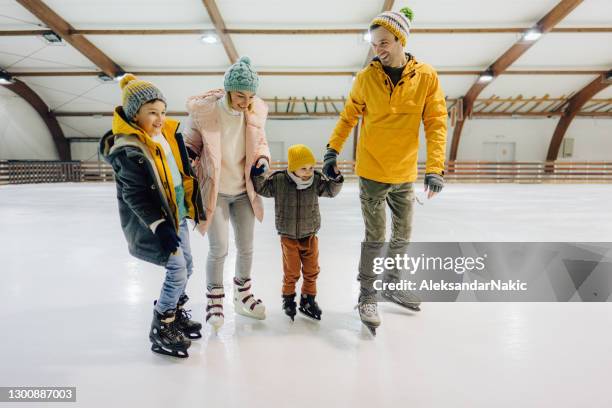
389, 139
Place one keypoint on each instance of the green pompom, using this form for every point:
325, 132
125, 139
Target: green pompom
407, 11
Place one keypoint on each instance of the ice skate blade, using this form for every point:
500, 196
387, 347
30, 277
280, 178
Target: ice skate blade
312, 317
408, 307
371, 329
215, 327
193, 335
415, 307
168, 352
244, 313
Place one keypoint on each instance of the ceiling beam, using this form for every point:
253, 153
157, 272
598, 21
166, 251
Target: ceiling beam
551, 72
182, 73
574, 104
296, 73
62, 28
545, 24
215, 16
302, 31
387, 6
345, 31
32, 98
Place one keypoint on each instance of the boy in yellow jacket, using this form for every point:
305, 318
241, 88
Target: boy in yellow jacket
393, 94
156, 192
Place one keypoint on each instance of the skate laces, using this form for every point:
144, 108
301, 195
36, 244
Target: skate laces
183, 314
368, 308
174, 329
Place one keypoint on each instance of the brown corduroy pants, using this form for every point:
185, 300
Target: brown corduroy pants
300, 254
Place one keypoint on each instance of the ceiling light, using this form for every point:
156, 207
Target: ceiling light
367, 37
105, 78
210, 38
486, 76
6, 78
119, 76
532, 34
51, 38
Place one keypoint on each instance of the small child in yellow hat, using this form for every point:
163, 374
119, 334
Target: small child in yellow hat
296, 193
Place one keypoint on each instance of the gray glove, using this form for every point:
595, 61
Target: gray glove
329, 162
434, 182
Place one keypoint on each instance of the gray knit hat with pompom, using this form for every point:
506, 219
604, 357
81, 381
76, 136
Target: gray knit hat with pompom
241, 77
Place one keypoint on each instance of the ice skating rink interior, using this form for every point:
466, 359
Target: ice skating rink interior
76, 308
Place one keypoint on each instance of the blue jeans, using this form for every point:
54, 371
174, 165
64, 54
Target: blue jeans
178, 270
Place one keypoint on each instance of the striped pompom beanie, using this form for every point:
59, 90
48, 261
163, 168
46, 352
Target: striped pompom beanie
397, 23
136, 92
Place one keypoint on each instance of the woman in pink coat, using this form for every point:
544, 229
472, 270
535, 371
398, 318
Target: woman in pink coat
225, 133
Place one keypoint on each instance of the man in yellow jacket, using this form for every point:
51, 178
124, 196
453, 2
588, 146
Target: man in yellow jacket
393, 95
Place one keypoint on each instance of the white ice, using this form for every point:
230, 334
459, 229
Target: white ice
75, 310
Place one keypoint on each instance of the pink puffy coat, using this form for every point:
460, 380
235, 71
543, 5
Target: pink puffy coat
203, 135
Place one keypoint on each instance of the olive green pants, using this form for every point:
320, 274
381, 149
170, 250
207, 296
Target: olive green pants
375, 197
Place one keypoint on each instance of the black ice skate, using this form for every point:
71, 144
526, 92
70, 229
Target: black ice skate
190, 328
309, 307
289, 305
165, 336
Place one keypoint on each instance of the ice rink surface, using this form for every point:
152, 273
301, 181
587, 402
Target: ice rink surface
75, 310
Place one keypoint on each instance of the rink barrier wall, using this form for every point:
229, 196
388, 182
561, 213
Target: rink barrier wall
33, 171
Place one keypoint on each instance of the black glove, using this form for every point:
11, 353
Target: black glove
434, 182
264, 167
168, 237
256, 171
329, 162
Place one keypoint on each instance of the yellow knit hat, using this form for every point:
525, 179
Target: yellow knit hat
299, 156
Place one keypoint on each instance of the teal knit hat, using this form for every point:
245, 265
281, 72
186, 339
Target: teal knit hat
241, 77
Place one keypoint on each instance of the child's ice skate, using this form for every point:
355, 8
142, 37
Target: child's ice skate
289, 305
309, 307
165, 336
